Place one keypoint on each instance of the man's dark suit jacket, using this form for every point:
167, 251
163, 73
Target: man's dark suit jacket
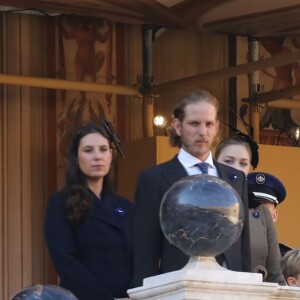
153, 254
94, 257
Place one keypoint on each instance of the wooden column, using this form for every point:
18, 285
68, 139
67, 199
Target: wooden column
253, 77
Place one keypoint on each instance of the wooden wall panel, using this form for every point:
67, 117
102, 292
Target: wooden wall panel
3, 185
13, 203
180, 54
26, 63
22, 160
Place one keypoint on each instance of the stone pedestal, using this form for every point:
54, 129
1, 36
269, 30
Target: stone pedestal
205, 282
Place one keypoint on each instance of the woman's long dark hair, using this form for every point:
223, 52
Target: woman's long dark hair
79, 201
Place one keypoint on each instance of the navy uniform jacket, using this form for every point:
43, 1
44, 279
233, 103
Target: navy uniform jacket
153, 254
93, 259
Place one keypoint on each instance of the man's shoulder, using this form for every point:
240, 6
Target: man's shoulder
162, 166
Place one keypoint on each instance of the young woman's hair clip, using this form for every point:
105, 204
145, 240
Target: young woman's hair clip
249, 140
112, 136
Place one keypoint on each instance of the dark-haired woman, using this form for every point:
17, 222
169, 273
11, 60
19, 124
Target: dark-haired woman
88, 228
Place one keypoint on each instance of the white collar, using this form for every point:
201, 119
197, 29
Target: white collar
188, 160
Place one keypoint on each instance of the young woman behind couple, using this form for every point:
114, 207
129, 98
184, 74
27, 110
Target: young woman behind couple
242, 153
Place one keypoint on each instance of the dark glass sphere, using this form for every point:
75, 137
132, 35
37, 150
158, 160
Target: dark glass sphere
44, 292
202, 215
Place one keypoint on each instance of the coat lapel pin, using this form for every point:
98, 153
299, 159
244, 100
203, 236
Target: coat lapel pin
119, 211
233, 177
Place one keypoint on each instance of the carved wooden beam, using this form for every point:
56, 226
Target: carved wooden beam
278, 94
59, 84
279, 103
229, 72
285, 103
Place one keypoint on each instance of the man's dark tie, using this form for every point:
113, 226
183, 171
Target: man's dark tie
203, 167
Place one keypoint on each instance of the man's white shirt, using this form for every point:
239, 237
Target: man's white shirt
189, 163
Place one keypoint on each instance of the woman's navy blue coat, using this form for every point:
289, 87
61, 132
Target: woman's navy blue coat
93, 258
